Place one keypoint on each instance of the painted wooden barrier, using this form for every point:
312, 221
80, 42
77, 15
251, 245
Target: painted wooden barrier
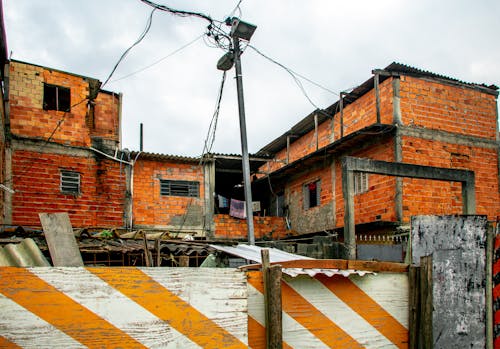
196, 308
122, 308
369, 311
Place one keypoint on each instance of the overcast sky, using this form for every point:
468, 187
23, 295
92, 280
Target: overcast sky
334, 43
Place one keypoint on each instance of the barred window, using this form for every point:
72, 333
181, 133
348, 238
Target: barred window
70, 182
179, 188
360, 182
56, 98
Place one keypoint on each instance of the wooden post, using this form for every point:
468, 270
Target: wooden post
147, 255
414, 306
272, 302
426, 336
158, 254
183, 261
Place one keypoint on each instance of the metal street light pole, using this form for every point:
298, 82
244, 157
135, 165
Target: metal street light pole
244, 147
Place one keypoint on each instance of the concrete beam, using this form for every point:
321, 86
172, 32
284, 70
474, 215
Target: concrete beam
398, 169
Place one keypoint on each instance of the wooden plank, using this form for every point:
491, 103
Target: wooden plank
275, 340
342, 264
147, 255
264, 253
183, 261
414, 306
378, 266
61, 240
425, 329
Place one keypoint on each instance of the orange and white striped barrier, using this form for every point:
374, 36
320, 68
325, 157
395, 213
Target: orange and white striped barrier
369, 311
123, 308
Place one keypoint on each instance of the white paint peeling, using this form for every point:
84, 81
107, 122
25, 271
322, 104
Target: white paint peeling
27, 330
122, 312
389, 290
220, 294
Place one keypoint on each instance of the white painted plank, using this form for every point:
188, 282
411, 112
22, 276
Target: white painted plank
27, 330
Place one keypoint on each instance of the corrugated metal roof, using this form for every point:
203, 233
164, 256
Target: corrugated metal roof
163, 157
24, 254
253, 253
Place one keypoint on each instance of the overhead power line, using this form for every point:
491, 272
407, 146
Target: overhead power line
124, 54
180, 13
212, 128
161, 59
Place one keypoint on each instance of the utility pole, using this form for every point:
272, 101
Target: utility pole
244, 145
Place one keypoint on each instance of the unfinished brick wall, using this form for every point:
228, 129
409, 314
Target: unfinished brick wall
436, 197
357, 115
227, 227
377, 204
37, 185
29, 119
151, 209
439, 106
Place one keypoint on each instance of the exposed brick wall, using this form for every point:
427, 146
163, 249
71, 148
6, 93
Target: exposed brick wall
356, 116
37, 186
28, 119
106, 121
227, 227
377, 204
456, 109
152, 209
436, 197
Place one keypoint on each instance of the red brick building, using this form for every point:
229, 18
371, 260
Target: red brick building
56, 125
401, 114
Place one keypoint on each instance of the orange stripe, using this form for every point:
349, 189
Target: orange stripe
167, 306
257, 335
367, 308
45, 301
5, 343
309, 316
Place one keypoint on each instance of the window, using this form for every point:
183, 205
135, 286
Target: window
56, 98
312, 194
70, 182
179, 188
360, 182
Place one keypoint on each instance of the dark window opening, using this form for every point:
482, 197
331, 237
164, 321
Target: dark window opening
179, 188
56, 98
312, 194
70, 182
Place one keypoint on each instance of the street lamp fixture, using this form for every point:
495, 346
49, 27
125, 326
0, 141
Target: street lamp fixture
242, 30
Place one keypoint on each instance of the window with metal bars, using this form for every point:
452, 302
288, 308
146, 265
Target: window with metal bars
179, 188
360, 182
56, 98
70, 182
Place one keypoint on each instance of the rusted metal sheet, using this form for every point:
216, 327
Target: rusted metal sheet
123, 307
368, 311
